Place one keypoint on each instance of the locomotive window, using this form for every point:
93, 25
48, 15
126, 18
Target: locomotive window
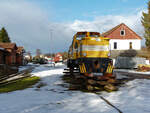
81, 36
94, 35
76, 45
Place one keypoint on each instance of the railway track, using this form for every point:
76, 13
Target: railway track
14, 77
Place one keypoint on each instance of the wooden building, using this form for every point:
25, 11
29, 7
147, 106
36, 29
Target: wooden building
20, 56
10, 53
3, 55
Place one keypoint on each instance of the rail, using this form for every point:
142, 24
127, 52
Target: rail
11, 78
108, 102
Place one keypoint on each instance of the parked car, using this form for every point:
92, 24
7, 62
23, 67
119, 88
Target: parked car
39, 61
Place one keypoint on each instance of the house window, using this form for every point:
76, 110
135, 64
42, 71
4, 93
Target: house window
115, 45
130, 45
122, 32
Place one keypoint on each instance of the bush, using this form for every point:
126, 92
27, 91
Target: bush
128, 53
131, 53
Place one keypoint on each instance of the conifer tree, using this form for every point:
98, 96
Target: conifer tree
4, 36
146, 25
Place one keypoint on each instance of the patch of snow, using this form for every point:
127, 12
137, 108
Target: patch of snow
21, 68
133, 97
46, 70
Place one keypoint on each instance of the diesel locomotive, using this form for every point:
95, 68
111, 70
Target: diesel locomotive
89, 53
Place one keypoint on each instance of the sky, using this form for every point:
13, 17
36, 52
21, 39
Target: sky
49, 25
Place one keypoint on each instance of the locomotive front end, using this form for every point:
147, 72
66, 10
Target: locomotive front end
93, 52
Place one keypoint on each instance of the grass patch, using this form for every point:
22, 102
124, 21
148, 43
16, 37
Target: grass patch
20, 84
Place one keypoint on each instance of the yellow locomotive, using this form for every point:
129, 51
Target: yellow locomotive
89, 52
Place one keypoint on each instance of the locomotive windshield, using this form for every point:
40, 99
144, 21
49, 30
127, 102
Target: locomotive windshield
81, 35
94, 34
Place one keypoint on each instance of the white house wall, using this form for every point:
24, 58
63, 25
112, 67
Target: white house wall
125, 44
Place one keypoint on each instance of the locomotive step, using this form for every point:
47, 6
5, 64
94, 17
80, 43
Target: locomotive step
69, 69
73, 72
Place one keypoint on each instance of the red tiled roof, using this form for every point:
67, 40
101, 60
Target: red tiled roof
8, 45
58, 54
114, 33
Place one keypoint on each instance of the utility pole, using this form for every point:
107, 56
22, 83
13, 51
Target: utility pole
51, 51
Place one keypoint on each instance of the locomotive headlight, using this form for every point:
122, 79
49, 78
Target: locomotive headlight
109, 54
84, 54
98, 39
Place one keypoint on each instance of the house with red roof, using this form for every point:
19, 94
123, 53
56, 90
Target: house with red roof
58, 57
10, 54
123, 38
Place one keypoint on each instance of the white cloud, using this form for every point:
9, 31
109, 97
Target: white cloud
104, 23
28, 25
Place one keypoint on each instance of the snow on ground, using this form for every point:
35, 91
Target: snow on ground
132, 71
54, 97
21, 68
